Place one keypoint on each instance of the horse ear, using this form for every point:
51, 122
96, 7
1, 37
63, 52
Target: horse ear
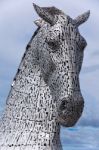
47, 13
82, 18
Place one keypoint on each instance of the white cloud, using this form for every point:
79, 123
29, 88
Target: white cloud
79, 138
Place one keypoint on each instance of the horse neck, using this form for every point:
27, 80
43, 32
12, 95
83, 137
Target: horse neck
30, 97
30, 106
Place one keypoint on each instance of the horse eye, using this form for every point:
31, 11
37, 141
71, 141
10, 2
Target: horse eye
54, 45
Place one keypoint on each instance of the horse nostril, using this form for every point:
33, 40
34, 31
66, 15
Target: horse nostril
63, 105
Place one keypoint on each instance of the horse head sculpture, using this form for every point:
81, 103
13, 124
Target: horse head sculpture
46, 91
64, 48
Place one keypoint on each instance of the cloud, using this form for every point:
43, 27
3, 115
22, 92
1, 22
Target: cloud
90, 115
80, 138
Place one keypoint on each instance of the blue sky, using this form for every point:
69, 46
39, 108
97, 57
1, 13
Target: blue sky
16, 29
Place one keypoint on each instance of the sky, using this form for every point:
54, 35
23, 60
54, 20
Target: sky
16, 29
80, 138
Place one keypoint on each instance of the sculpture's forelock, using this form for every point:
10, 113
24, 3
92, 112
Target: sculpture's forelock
39, 22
